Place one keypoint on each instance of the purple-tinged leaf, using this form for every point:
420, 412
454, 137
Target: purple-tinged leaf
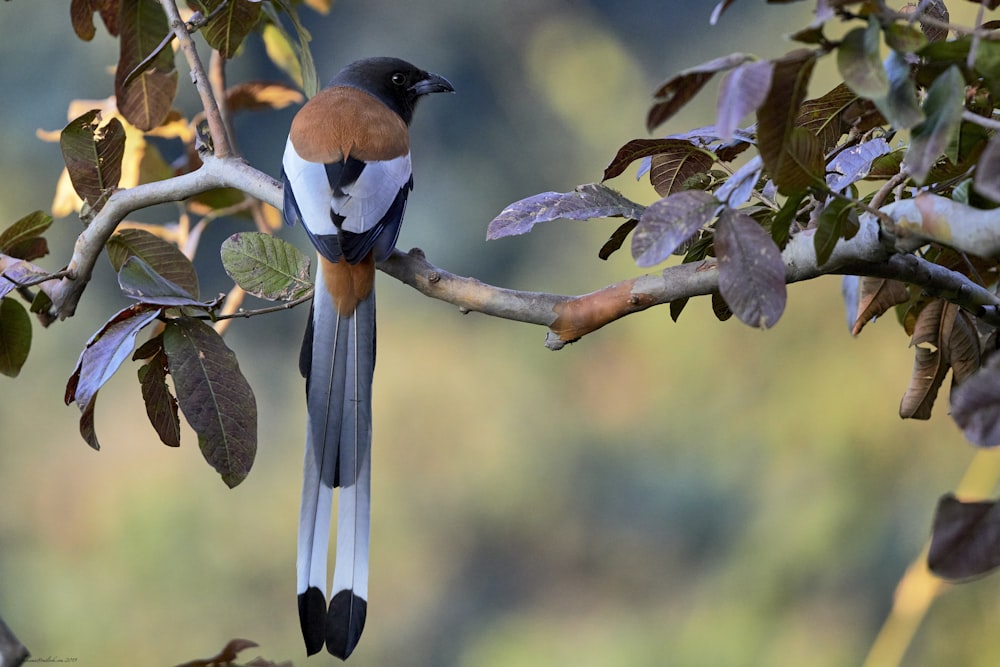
965, 539
975, 405
943, 110
677, 91
215, 398
741, 92
139, 281
668, 223
163, 257
15, 337
585, 202
738, 188
751, 270
899, 105
101, 357
853, 164
161, 406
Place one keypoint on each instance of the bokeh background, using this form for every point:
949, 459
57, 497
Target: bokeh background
696, 493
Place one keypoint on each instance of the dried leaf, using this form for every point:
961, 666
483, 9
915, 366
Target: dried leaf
584, 203
262, 96
930, 363
668, 223
214, 396
751, 270
965, 539
876, 297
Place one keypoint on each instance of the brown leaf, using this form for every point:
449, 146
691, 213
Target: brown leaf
82, 16
877, 296
965, 540
930, 365
776, 121
144, 86
963, 348
93, 155
669, 170
677, 91
261, 96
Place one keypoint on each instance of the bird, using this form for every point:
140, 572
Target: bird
346, 174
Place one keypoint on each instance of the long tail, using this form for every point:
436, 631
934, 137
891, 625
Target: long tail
338, 361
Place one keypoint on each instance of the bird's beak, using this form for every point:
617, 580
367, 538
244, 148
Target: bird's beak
433, 83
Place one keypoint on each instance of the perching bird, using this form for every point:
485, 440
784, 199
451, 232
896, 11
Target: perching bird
346, 174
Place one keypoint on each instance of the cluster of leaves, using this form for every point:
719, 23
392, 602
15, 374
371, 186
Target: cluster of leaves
184, 362
733, 198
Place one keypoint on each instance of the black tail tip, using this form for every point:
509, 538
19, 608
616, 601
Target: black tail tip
344, 623
312, 618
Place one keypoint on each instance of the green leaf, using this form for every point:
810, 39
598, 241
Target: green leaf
669, 222
93, 155
943, 110
162, 257
139, 281
899, 105
144, 87
987, 64
306, 65
588, 201
266, 267
229, 26
101, 357
15, 337
161, 406
838, 220
215, 398
751, 270
860, 63
24, 231
904, 37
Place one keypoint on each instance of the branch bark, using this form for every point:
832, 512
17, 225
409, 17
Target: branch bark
568, 317
12, 651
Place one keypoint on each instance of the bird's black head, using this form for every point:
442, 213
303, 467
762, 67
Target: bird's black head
396, 82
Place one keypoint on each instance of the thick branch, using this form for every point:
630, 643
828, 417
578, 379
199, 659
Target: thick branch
12, 651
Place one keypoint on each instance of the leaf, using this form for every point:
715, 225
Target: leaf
266, 267
278, 42
139, 281
899, 105
93, 155
670, 170
829, 117
739, 187
677, 91
934, 9
975, 405
214, 396
904, 37
225, 657
860, 63
835, 223
741, 92
877, 296
668, 223
144, 88
162, 257
930, 363
943, 111
82, 17
987, 64
21, 238
776, 120
987, 176
640, 148
963, 348
101, 357
965, 538
161, 406
228, 27
592, 200
853, 164
262, 96
617, 239
751, 270
15, 337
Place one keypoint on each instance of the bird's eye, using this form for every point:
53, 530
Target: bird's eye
398, 78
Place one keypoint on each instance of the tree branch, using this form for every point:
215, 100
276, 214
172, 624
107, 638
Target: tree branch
12, 651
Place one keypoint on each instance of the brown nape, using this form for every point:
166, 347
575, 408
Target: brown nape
339, 121
348, 284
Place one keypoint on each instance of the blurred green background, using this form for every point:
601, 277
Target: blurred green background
658, 494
